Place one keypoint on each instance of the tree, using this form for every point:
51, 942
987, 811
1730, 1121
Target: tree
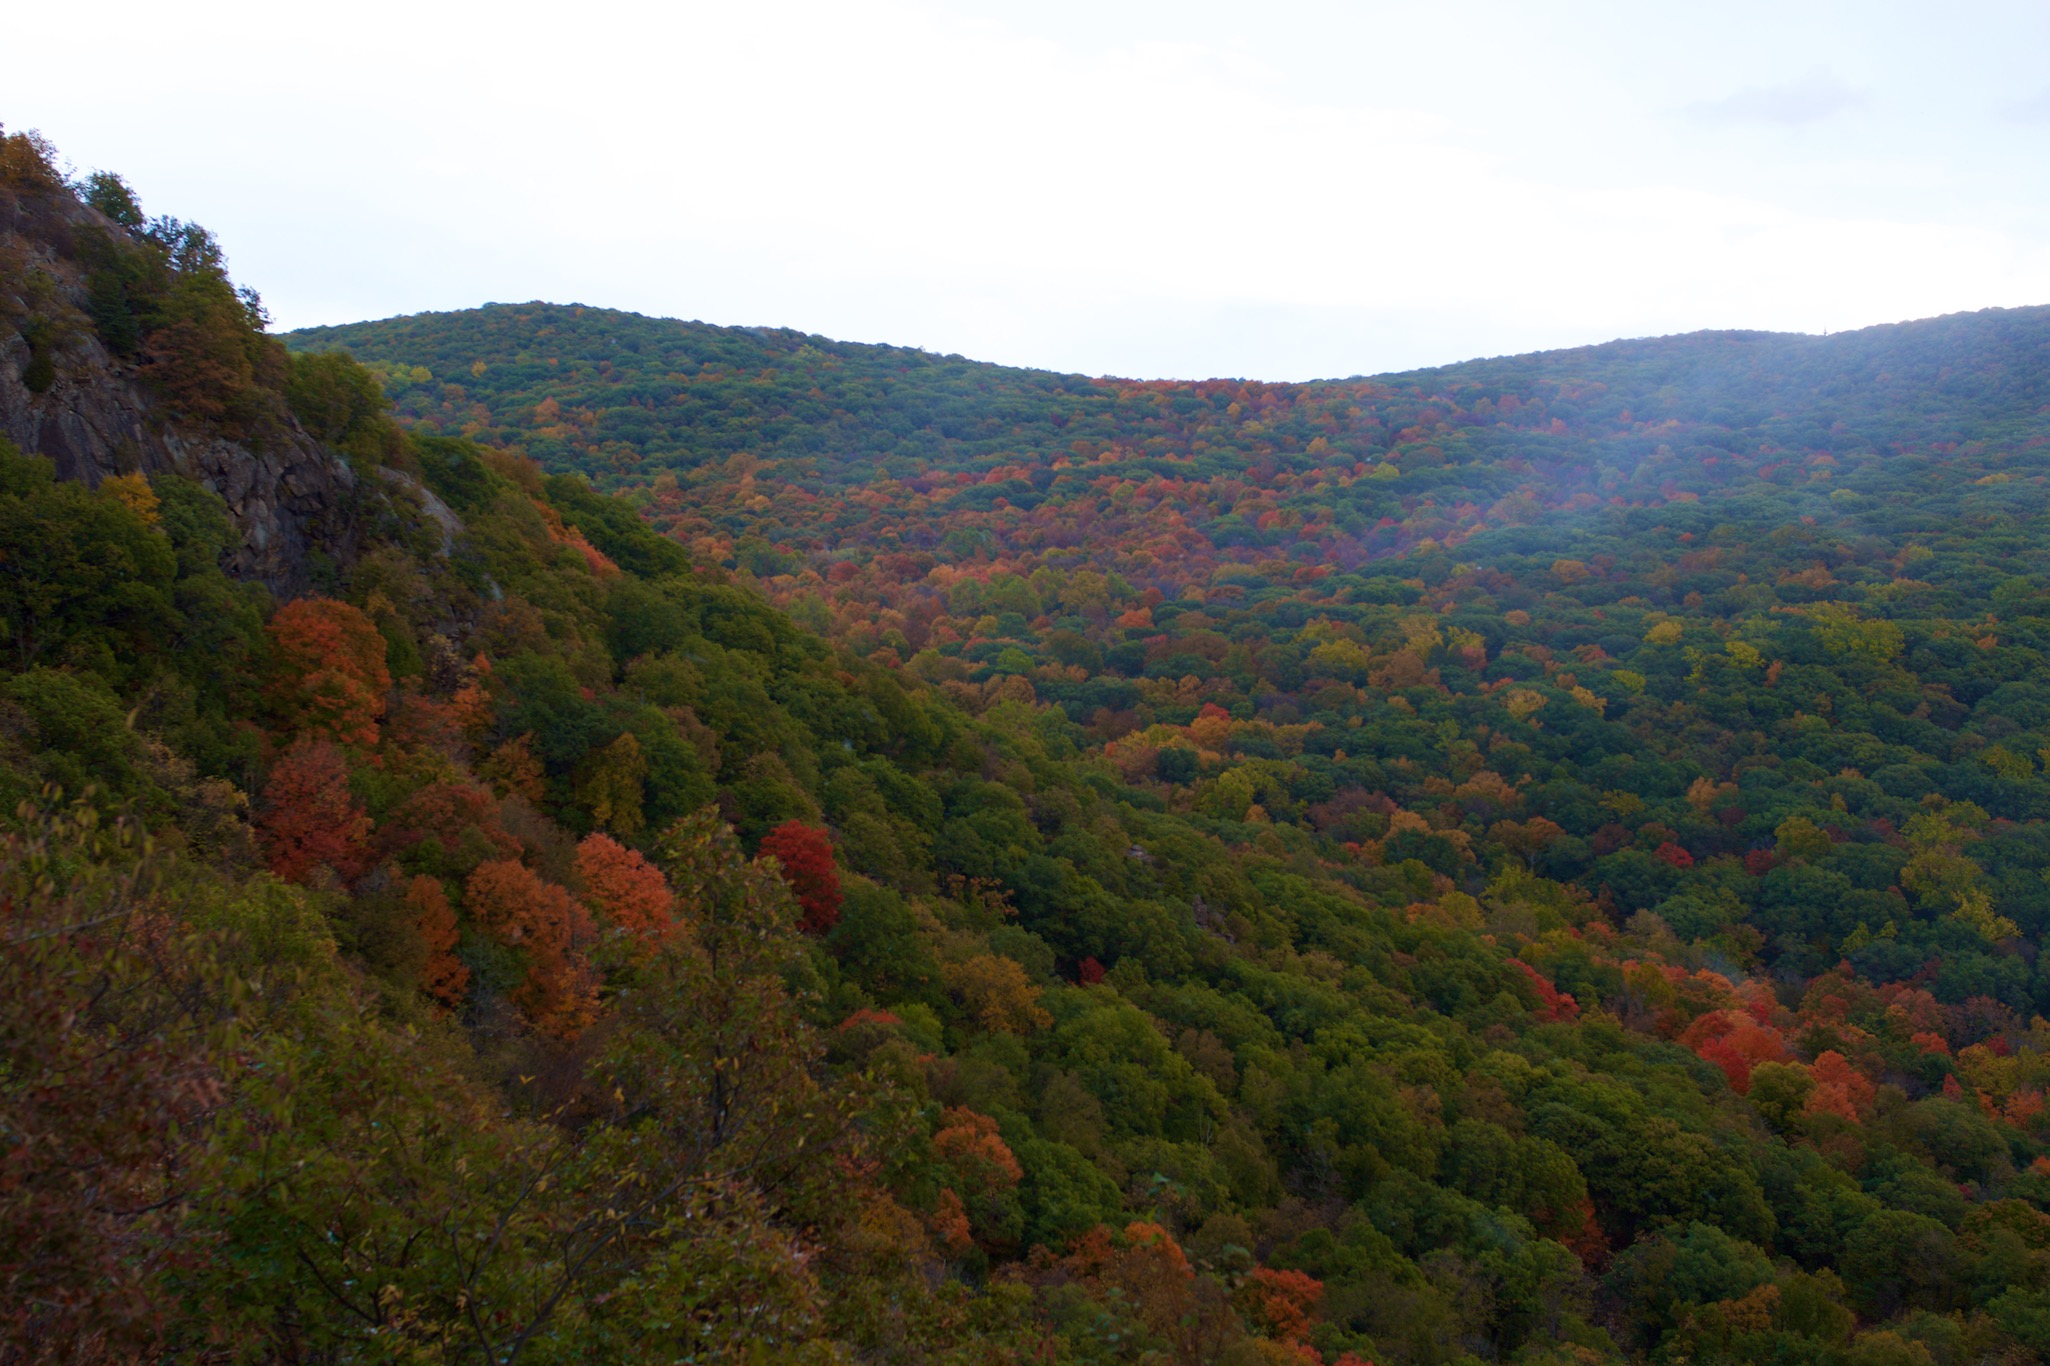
1144, 1273
444, 976
1553, 1004
624, 890
76, 565
133, 492
1283, 1302
112, 1016
805, 856
1896, 1259
110, 195
969, 1143
327, 671
1840, 1089
559, 992
447, 829
1779, 1092
713, 1048
338, 401
981, 1172
1526, 839
514, 771
996, 993
309, 819
612, 786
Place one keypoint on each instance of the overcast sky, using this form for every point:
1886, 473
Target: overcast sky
1280, 190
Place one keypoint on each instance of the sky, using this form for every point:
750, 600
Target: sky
1284, 190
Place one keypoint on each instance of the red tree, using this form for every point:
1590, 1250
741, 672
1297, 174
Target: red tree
1553, 1004
1283, 1302
506, 900
327, 671
462, 818
444, 976
1840, 1088
968, 1142
309, 817
624, 889
806, 857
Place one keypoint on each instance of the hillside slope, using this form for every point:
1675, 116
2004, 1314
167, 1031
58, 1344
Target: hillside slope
1737, 640
533, 945
1631, 583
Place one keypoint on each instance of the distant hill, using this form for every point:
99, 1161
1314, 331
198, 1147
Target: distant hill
649, 393
1474, 448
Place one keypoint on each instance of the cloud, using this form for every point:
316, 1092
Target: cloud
2033, 110
1810, 99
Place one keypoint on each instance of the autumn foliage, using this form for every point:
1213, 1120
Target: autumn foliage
980, 1171
508, 901
308, 817
1842, 1090
1570, 840
624, 891
327, 671
1735, 1041
1553, 1004
1283, 1302
806, 857
969, 1144
456, 824
997, 994
444, 976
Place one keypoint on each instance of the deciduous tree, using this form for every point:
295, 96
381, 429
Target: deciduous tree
509, 902
308, 817
805, 856
443, 976
625, 891
327, 671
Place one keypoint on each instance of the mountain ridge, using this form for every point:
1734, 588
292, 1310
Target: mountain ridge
1991, 359
317, 334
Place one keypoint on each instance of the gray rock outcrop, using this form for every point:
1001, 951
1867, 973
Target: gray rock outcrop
292, 499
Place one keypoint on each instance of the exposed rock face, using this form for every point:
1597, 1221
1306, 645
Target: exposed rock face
292, 498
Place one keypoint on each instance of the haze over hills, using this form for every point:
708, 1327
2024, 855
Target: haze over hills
683, 843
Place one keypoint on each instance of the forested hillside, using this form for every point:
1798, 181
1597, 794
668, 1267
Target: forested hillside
1472, 867
1730, 644
1620, 615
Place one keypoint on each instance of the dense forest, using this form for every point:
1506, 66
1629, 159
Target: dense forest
732, 846
1656, 599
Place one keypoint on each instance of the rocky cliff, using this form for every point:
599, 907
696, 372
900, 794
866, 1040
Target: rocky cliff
65, 394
